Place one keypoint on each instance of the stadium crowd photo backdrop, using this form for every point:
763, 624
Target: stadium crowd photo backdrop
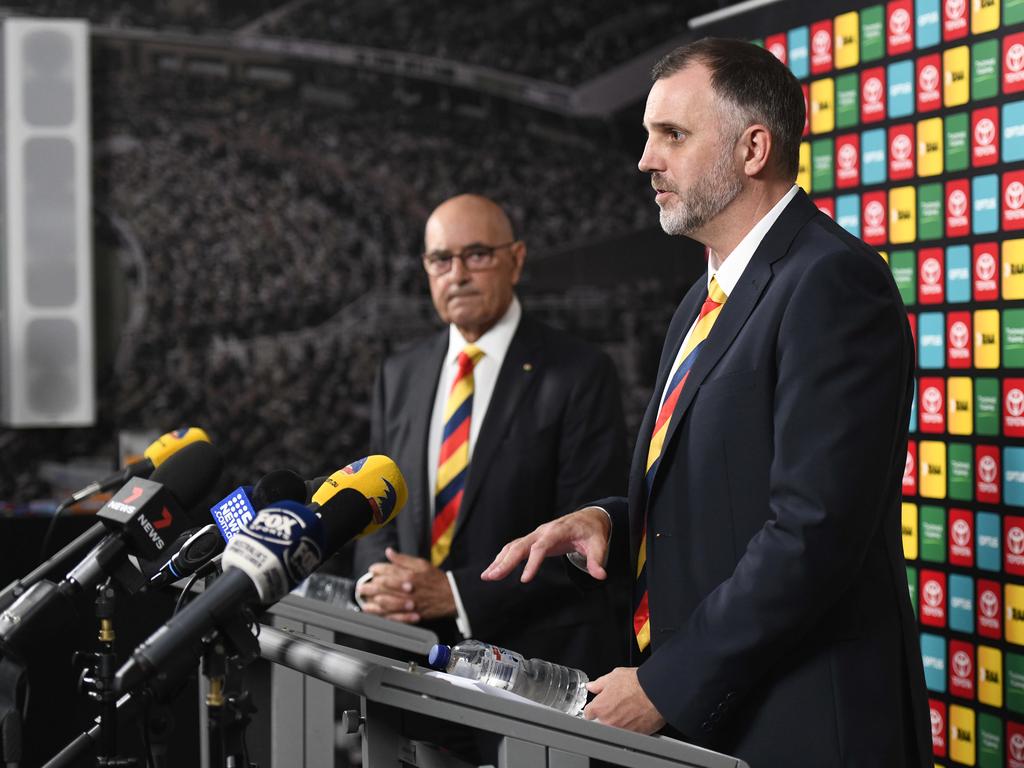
914, 142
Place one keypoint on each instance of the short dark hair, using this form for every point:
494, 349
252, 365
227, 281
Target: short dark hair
751, 78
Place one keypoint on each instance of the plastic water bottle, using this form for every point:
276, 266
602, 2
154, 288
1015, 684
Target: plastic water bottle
555, 686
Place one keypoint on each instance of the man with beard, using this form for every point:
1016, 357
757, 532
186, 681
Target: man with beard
499, 423
761, 534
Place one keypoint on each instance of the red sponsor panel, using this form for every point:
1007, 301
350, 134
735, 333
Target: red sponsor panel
986, 474
912, 319
985, 136
821, 47
961, 669
931, 405
872, 95
826, 205
937, 717
910, 470
899, 26
776, 45
954, 19
933, 598
985, 257
807, 108
1013, 407
1014, 745
1013, 545
989, 616
958, 208
848, 160
1013, 200
929, 83
958, 339
901, 152
961, 537
874, 216
931, 273
1013, 63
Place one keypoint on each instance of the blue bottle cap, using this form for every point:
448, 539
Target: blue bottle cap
439, 656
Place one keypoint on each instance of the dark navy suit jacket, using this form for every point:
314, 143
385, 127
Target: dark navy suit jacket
782, 629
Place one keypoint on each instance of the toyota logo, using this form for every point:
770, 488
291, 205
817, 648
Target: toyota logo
1015, 540
959, 335
989, 604
931, 400
931, 271
932, 593
955, 9
961, 664
874, 214
1015, 402
929, 78
1015, 57
778, 51
985, 266
957, 203
847, 157
872, 90
1017, 746
961, 533
908, 467
987, 471
899, 22
1014, 196
937, 725
984, 131
821, 43
902, 146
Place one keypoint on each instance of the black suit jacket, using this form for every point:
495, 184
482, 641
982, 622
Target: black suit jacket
552, 438
782, 629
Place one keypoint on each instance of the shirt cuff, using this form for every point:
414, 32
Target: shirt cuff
580, 560
461, 617
355, 592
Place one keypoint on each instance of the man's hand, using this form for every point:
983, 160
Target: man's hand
621, 702
407, 589
584, 531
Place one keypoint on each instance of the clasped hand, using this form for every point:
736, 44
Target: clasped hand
407, 589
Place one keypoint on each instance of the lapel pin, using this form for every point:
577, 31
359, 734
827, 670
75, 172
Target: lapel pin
527, 367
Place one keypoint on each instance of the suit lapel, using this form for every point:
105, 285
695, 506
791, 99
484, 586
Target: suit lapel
522, 365
740, 304
419, 405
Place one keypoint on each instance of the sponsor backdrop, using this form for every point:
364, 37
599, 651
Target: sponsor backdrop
914, 143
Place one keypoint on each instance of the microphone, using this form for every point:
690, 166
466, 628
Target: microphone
230, 513
156, 454
142, 518
281, 546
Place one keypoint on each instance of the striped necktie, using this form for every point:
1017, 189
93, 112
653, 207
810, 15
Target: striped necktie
708, 314
454, 459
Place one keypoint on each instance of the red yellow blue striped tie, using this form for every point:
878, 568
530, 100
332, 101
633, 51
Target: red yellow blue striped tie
454, 459
708, 314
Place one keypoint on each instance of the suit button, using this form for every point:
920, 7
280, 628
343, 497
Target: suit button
705, 726
715, 717
730, 695
722, 707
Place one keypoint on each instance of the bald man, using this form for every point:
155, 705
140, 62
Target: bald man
499, 423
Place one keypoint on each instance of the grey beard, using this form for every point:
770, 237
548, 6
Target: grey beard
703, 202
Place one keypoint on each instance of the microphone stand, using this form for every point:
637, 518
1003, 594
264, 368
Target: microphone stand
13, 686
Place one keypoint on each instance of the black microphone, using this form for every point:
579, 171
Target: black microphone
279, 548
142, 519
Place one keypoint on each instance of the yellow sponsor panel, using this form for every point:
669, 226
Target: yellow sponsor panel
823, 105
909, 526
956, 64
990, 676
932, 474
986, 338
984, 16
1013, 269
960, 397
902, 215
803, 171
847, 40
884, 255
961, 734
929, 147
1013, 604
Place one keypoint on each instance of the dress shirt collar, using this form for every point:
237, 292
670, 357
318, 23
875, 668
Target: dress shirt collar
729, 270
495, 342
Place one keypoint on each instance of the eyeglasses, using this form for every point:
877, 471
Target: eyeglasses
475, 258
